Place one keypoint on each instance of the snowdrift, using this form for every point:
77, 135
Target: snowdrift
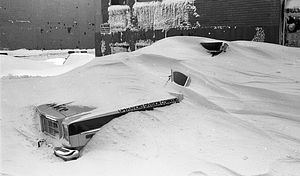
239, 115
34, 63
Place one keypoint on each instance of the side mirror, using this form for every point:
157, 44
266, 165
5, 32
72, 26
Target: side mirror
215, 48
180, 78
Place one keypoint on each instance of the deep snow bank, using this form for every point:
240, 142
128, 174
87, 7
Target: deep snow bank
239, 116
22, 64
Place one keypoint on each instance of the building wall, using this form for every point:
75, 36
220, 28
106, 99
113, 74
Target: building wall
258, 20
47, 24
238, 12
241, 19
292, 23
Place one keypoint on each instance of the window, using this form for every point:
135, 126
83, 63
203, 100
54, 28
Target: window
144, 0
118, 2
293, 24
91, 124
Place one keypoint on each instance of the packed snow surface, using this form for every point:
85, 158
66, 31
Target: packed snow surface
239, 115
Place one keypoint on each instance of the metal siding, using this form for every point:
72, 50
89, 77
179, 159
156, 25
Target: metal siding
43, 24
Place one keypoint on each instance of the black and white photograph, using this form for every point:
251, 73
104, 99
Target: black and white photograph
150, 87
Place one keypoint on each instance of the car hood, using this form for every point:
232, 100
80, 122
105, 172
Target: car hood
62, 110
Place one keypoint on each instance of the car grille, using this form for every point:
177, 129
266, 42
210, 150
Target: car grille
48, 125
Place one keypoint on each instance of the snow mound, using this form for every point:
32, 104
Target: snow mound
20, 67
239, 115
56, 61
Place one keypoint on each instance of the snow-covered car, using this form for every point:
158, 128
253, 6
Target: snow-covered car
66, 154
75, 125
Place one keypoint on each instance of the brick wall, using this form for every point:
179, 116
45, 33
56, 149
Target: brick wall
238, 12
239, 19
